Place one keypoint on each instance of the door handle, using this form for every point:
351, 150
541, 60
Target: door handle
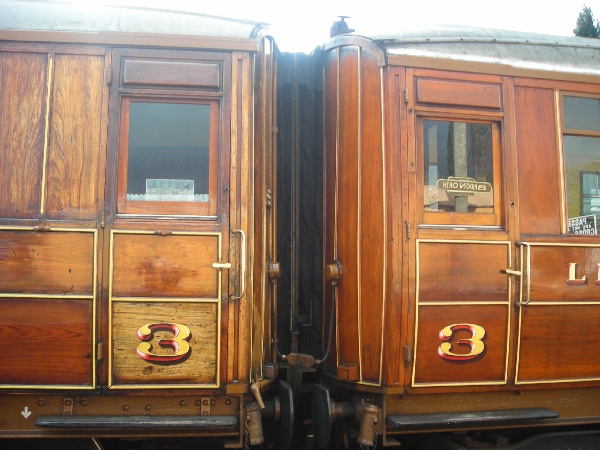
225, 265
525, 262
512, 272
242, 264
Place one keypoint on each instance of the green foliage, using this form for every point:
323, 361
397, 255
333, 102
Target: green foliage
585, 26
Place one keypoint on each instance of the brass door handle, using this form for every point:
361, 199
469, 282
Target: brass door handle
525, 262
512, 272
242, 264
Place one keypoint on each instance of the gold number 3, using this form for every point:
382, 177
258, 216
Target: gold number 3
178, 343
475, 342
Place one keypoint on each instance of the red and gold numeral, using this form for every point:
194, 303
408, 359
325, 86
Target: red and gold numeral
475, 342
178, 343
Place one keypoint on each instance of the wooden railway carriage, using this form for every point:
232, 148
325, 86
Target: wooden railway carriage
461, 249
136, 233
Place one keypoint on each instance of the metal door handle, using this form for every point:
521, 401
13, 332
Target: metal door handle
525, 255
243, 265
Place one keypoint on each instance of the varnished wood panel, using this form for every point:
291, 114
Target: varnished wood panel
458, 93
549, 272
559, 343
372, 239
537, 161
488, 368
75, 139
148, 265
22, 117
462, 271
348, 192
53, 262
200, 365
172, 73
330, 181
46, 342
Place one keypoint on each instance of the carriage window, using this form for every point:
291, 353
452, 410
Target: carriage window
459, 172
582, 166
581, 148
166, 158
582, 113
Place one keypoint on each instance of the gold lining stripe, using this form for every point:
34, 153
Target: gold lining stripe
384, 225
559, 380
48, 296
47, 386
559, 244
469, 383
165, 300
163, 386
336, 201
563, 303
558, 111
49, 87
468, 303
359, 212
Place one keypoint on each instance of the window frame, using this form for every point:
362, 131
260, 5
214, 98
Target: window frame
168, 208
457, 219
564, 131
575, 131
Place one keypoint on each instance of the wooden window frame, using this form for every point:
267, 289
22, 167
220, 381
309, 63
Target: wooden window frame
469, 219
168, 208
576, 132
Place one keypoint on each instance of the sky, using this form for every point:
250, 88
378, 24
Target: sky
304, 24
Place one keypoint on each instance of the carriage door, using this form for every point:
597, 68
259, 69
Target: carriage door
461, 244
167, 219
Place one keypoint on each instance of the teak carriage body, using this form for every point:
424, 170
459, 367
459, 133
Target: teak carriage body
460, 238
418, 255
134, 143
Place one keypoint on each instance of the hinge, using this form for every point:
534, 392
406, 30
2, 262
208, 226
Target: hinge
408, 230
406, 95
269, 198
109, 76
67, 406
100, 350
205, 406
407, 354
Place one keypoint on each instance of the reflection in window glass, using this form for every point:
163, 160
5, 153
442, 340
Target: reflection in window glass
582, 167
582, 113
168, 152
458, 167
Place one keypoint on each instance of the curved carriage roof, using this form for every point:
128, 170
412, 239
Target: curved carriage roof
60, 16
494, 46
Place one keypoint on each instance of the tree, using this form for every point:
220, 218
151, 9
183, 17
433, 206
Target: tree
585, 24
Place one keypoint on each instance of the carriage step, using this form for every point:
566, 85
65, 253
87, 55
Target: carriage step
441, 420
197, 422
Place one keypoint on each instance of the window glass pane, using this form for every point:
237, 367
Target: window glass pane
582, 166
582, 113
168, 152
458, 167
